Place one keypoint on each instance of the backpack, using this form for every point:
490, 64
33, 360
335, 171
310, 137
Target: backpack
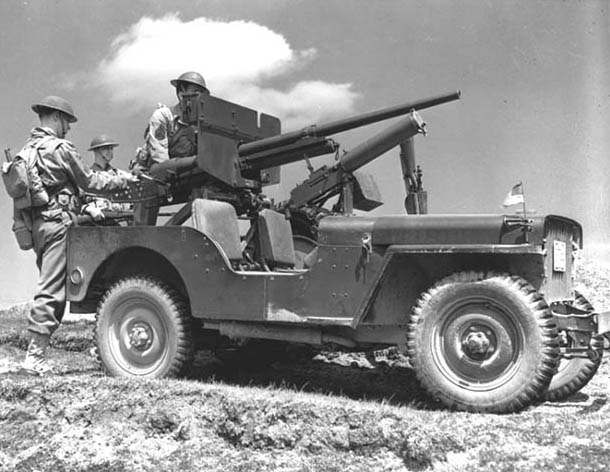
21, 176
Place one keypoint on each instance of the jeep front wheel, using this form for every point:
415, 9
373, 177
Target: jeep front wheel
483, 342
143, 330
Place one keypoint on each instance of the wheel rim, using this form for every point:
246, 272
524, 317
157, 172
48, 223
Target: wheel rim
478, 345
138, 336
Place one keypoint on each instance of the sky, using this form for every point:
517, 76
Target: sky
534, 77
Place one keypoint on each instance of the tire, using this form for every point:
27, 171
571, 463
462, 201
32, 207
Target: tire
143, 329
483, 342
573, 374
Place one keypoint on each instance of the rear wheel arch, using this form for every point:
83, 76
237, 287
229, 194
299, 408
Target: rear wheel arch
133, 261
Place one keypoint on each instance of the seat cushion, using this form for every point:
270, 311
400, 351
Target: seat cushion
218, 221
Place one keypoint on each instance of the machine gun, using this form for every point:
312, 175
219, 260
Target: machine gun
239, 152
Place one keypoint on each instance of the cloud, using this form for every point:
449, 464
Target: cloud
239, 60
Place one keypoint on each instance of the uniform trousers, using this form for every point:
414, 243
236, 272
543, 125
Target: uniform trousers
49, 231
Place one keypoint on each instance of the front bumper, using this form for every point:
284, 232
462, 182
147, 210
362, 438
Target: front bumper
594, 323
603, 322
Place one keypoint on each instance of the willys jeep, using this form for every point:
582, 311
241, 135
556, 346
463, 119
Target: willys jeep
484, 306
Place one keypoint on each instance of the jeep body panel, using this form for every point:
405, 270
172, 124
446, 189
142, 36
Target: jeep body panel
367, 274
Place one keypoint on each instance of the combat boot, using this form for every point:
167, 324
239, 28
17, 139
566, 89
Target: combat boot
35, 362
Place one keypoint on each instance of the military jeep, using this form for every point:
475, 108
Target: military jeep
484, 306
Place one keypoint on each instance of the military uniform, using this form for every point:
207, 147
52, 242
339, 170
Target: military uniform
63, 173
167, 136
101, 202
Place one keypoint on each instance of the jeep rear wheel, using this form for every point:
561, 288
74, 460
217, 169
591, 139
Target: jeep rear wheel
483, 342
573, 374
143, 330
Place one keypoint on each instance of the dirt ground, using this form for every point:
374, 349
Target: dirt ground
336, 412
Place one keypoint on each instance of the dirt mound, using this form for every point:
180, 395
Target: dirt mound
326, 411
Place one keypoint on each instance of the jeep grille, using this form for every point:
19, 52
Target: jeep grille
559, 260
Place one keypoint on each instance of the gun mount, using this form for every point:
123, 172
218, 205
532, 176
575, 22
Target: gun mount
240, 151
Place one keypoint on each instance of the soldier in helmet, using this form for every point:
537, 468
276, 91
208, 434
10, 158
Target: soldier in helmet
102, 147
63, 174
167, 136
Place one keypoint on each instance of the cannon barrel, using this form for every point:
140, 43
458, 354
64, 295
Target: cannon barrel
390, 137
325, 183
338, 126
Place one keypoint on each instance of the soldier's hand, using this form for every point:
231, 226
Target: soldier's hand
94, 212
137, 170
132, 179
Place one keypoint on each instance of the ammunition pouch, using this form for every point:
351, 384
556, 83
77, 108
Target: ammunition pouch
22, 229
24, 238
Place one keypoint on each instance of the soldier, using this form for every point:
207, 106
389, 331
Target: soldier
102, 147
103, 153
167, 137
62, 173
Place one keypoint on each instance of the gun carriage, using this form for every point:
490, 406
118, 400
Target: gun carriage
483, 305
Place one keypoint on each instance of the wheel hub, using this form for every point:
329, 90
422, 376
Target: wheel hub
478, 343
140, 336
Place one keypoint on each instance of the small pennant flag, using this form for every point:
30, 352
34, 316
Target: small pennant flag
515, 195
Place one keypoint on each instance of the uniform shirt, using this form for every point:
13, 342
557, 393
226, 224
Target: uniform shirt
95, 167
105, 203
167, 136
63, 174
63, 171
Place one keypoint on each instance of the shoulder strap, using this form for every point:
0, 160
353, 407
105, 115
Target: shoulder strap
39, 161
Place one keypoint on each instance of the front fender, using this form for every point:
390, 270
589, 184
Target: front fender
409, 270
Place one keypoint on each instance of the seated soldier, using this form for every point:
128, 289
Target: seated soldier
167, 136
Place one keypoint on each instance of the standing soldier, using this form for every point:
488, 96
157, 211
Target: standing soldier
62, 174
167, 136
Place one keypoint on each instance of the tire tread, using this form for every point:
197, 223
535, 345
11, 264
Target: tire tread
543, 318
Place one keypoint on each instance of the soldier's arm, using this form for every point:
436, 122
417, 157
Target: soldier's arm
157, 144
85, 178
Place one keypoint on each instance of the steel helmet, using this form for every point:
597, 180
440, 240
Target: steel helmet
191, 78
55, 103
102, 140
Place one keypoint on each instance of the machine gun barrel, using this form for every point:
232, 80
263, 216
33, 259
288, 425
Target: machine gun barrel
338, 126
326, 182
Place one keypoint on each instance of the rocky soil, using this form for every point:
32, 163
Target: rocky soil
336, 412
